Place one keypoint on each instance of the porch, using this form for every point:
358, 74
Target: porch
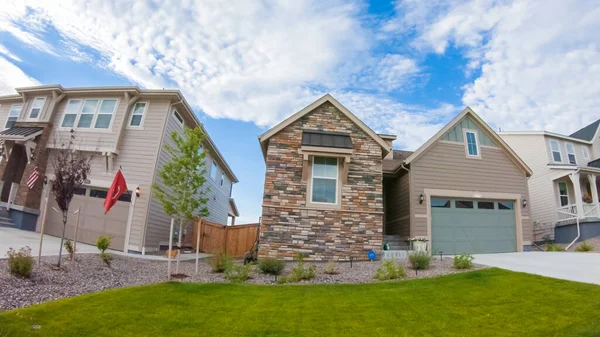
577, 196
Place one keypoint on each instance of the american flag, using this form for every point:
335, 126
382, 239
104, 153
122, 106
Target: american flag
33, 177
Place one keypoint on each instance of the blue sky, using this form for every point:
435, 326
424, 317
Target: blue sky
405, 67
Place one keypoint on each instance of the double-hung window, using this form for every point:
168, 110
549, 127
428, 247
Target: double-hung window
36, 107
87, 113
471, 143
105, 113
555, 151
324, 180
137, 114
571, 153
213, 171
13, 115
563, 194
71, 112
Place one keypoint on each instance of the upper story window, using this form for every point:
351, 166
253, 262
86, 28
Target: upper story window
36, 107
138, 113
586, 153
213, 170
555, 151
178, 116
13, 115
571, 153
472, 143
222, 179
324, 180
87, 112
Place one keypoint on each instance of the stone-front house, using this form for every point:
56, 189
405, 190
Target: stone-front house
323, 185
334, 189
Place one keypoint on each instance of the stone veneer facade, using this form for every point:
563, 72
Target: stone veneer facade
289, 226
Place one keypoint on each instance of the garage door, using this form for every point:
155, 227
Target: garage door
472, 226
92, 221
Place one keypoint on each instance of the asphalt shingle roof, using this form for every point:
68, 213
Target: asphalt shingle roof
586, 133
391, 165
21, 131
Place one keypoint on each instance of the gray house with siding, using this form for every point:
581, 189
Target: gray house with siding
123, 127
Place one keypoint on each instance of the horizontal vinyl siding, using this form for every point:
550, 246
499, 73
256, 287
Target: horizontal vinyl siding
397, 206
581, 161
218, 197
445, 166
542, 190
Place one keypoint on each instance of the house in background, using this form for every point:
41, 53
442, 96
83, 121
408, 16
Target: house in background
334, 189
123, 127
564, 186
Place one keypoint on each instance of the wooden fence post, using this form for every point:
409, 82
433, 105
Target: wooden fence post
226, 239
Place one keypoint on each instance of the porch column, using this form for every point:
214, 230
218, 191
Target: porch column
578, 196
592, 180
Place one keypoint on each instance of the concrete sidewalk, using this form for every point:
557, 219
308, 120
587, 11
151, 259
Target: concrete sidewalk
579, 267
16, 238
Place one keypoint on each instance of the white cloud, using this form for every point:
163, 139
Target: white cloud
7, 53
538, 60
12, 77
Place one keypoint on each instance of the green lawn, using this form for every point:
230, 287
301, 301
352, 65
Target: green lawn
490, 302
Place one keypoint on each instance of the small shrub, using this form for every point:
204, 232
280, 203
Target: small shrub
238, 273
389, 271
271, 266
584, 247
299, 272
552, 247
331, 268
103, 243
69, 248
220, 262
20, 263
463, 261
419, 260
106, 258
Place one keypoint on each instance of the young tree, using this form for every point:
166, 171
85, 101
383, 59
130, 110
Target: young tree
183, 196
71, 169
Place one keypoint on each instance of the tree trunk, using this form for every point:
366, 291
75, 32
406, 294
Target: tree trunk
179, 245
62, 238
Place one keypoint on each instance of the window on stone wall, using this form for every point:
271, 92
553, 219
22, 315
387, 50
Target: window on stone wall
324, 180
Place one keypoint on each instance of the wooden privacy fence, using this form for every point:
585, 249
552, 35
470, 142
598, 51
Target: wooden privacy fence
235, 240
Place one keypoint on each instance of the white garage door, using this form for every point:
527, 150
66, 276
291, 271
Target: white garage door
92, 222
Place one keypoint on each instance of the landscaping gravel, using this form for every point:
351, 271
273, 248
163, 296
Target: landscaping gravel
89, 274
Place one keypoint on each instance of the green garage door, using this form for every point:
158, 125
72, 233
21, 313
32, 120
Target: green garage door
471, 226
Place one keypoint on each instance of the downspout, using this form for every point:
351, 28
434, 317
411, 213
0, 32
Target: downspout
577, 219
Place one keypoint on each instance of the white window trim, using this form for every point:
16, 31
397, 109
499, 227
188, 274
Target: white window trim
8, 117
586, 152
560, 195
214, 164
175, 112
478, 156
568, 153
552, 151
144, 113
337, 181
92, 127
31, 108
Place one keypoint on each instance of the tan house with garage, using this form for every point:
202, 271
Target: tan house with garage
335, 189
122, 127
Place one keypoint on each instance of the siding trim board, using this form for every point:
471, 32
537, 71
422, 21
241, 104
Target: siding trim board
516, 198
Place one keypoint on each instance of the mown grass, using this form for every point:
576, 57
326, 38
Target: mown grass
490, 302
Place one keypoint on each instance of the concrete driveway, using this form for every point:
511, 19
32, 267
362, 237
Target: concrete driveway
16, 238
580, 267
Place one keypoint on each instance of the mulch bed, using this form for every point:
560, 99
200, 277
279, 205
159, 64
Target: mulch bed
90, 274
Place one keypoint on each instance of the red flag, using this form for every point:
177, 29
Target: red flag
118, 187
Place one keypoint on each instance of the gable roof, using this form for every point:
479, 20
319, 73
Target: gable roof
468, 111
587, 132
263, 139
393, 164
